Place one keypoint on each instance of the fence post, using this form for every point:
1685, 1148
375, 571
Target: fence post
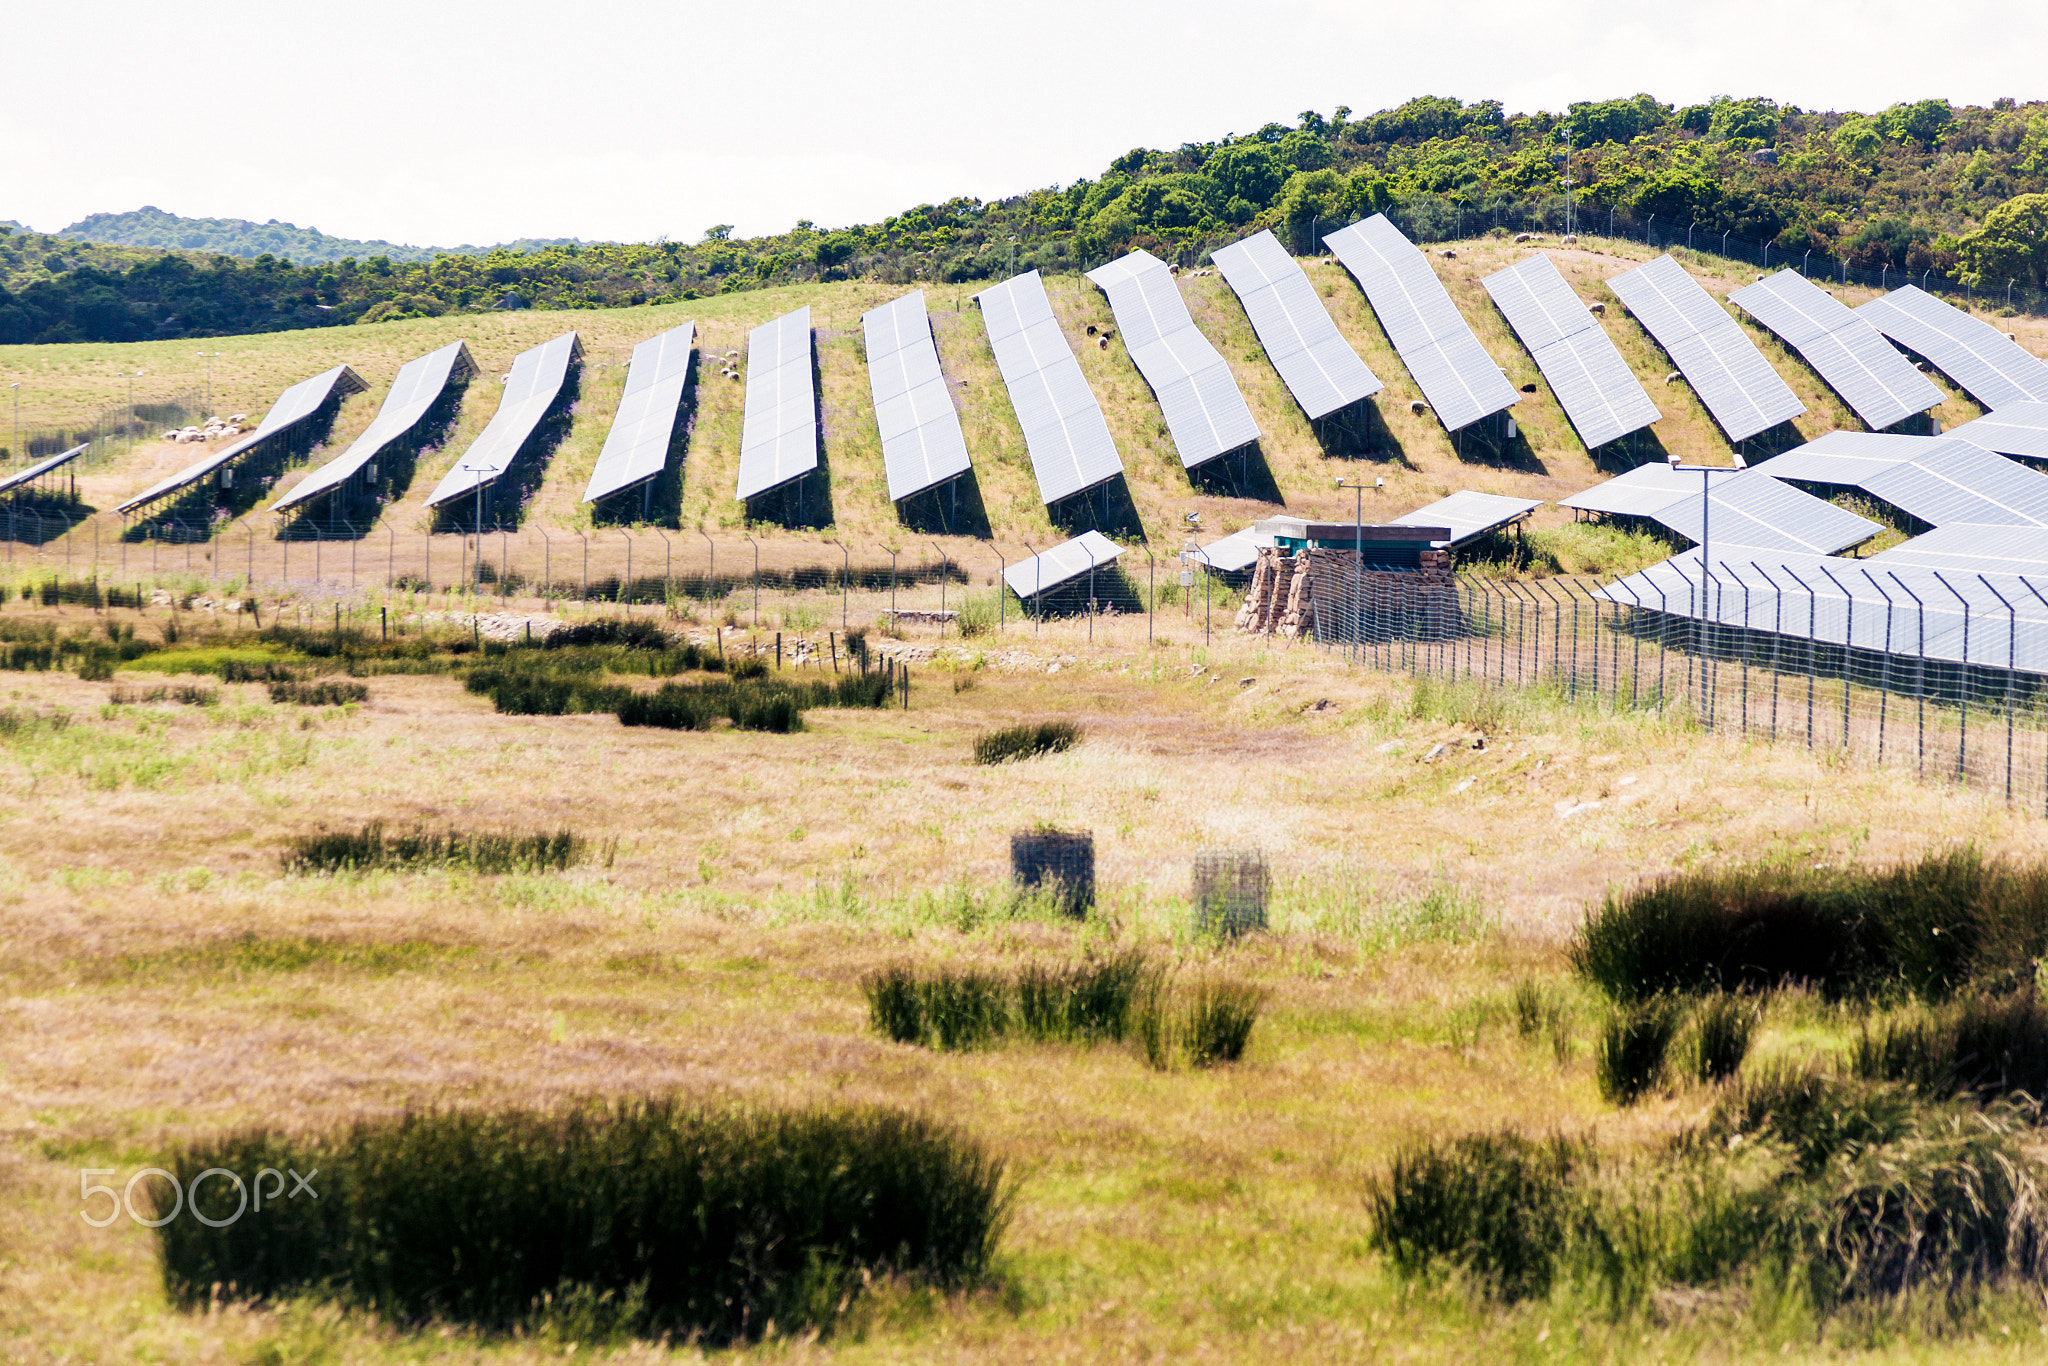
1746, 635
2027, 584
583, 593
1812, 646
2012, 639
1151, 591
1962, 684
1002, 586
1884, 673
711, 577
1848, 647
1919, 673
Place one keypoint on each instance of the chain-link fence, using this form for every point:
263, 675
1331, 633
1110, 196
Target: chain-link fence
1920, 704
111, 432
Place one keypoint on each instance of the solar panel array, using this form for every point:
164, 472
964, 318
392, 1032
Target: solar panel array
1977, 356
1936, 479
636, 448
921, 442
531, 388
1856, 361
1591, 380
1236, 552
1844, 457
1725, 369
1204, 409
23, 478
1462, 383
1064, 431
1063, 563
1470, 514
1643, 491
2019, 429
1753, 509
419, 384
779, 434
1315, 362
1973, 548
294, 406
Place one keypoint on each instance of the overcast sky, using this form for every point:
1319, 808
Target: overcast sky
441, 125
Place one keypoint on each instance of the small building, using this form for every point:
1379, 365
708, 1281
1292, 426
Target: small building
1339, 580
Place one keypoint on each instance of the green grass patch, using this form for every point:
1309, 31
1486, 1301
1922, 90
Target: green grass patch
249, 952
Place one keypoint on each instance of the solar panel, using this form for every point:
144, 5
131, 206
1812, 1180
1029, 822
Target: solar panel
1977, 356
418, 386
779, 435
293, 407
2019, 429
1753, 509
1643, 491
1601, 397
1722, 365
1469, 514
1315, 362
921, 441
1064, 431
1462, 383
1064, 562
636, 448
1855, 360
1974, 548
1846, 458
531, 388
1236, 552
21, 478
1937, 479
1204, 410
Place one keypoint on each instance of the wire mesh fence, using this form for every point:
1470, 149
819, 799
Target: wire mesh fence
111, 432
1920, 707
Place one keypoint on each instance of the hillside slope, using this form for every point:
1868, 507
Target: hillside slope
150, 226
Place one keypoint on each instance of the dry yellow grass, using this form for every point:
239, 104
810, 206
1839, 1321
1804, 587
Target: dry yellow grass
1212, 1216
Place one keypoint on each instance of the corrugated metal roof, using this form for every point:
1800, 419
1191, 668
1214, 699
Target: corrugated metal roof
1643, 491
1315, 362
294, 406
419, 384
1723, 366
921, 441
1855, 360
531, 388
2014, 549
1064, 431
1753, 509
1981, 360
1462, 383
2019, 429
1591, 380
42, 467
779, 434
1468, 513
1068, 560
636, 448
1937, 479
1204, 409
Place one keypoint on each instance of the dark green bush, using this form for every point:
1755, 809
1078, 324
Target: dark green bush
1084, 1001
761, 709
1722, 1027
670, 706
1026, 742
269, 671
651, 1216
329, 694
1633, 1051
1979, 1044
372, 847
636, 633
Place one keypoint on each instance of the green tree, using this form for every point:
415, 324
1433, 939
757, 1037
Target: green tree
718, 232
2012, 244
1754, 118
1313, 194
1305, 151
1921, 122
1858, 139
1247, 171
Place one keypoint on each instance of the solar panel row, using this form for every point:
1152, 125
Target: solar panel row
1462, 383
1977, 356
1064, 431
1470, 514
1204, 410
1063, 563
1872, 378
779, 433
419, 384
1753, 509
1643, 491
23, 478
1591, 380
1315, 362
531, 388
1937, 480
294, 406
2019, 429
921, 441
1725, 369
636, 448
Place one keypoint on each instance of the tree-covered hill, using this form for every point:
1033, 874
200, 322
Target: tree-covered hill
1922, 186
150, 226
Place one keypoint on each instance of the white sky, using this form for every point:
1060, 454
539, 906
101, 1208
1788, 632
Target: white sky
438, 125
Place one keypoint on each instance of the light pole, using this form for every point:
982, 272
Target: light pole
15, 449
208, 357
130, 376
1358, 547
1706, 473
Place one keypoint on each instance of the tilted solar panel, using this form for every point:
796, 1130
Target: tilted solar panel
1315, 362
1844, 457
531, 388
1204, 409
1462, 383
1981, 360
2019, 429
294, 406
23, 478
1753, 509
1937, 479
1723, 366
921, 441
644, 427
779, 434
418, 386
1064, 431
1591, 380
1236, 552
1855, 360
1642, 491
1469, 513
1062, 563
1972, 548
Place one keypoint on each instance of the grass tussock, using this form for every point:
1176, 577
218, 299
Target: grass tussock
186, 694
1930, 928
329, 693
375, 848
1979, 1045
1026, 742
644, 1217
1723, 1027
1632, 1055
534, 683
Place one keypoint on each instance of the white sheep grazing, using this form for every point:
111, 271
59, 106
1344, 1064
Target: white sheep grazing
1521, 237
1598, 310
1673, 378
1417, 406
1449, 255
